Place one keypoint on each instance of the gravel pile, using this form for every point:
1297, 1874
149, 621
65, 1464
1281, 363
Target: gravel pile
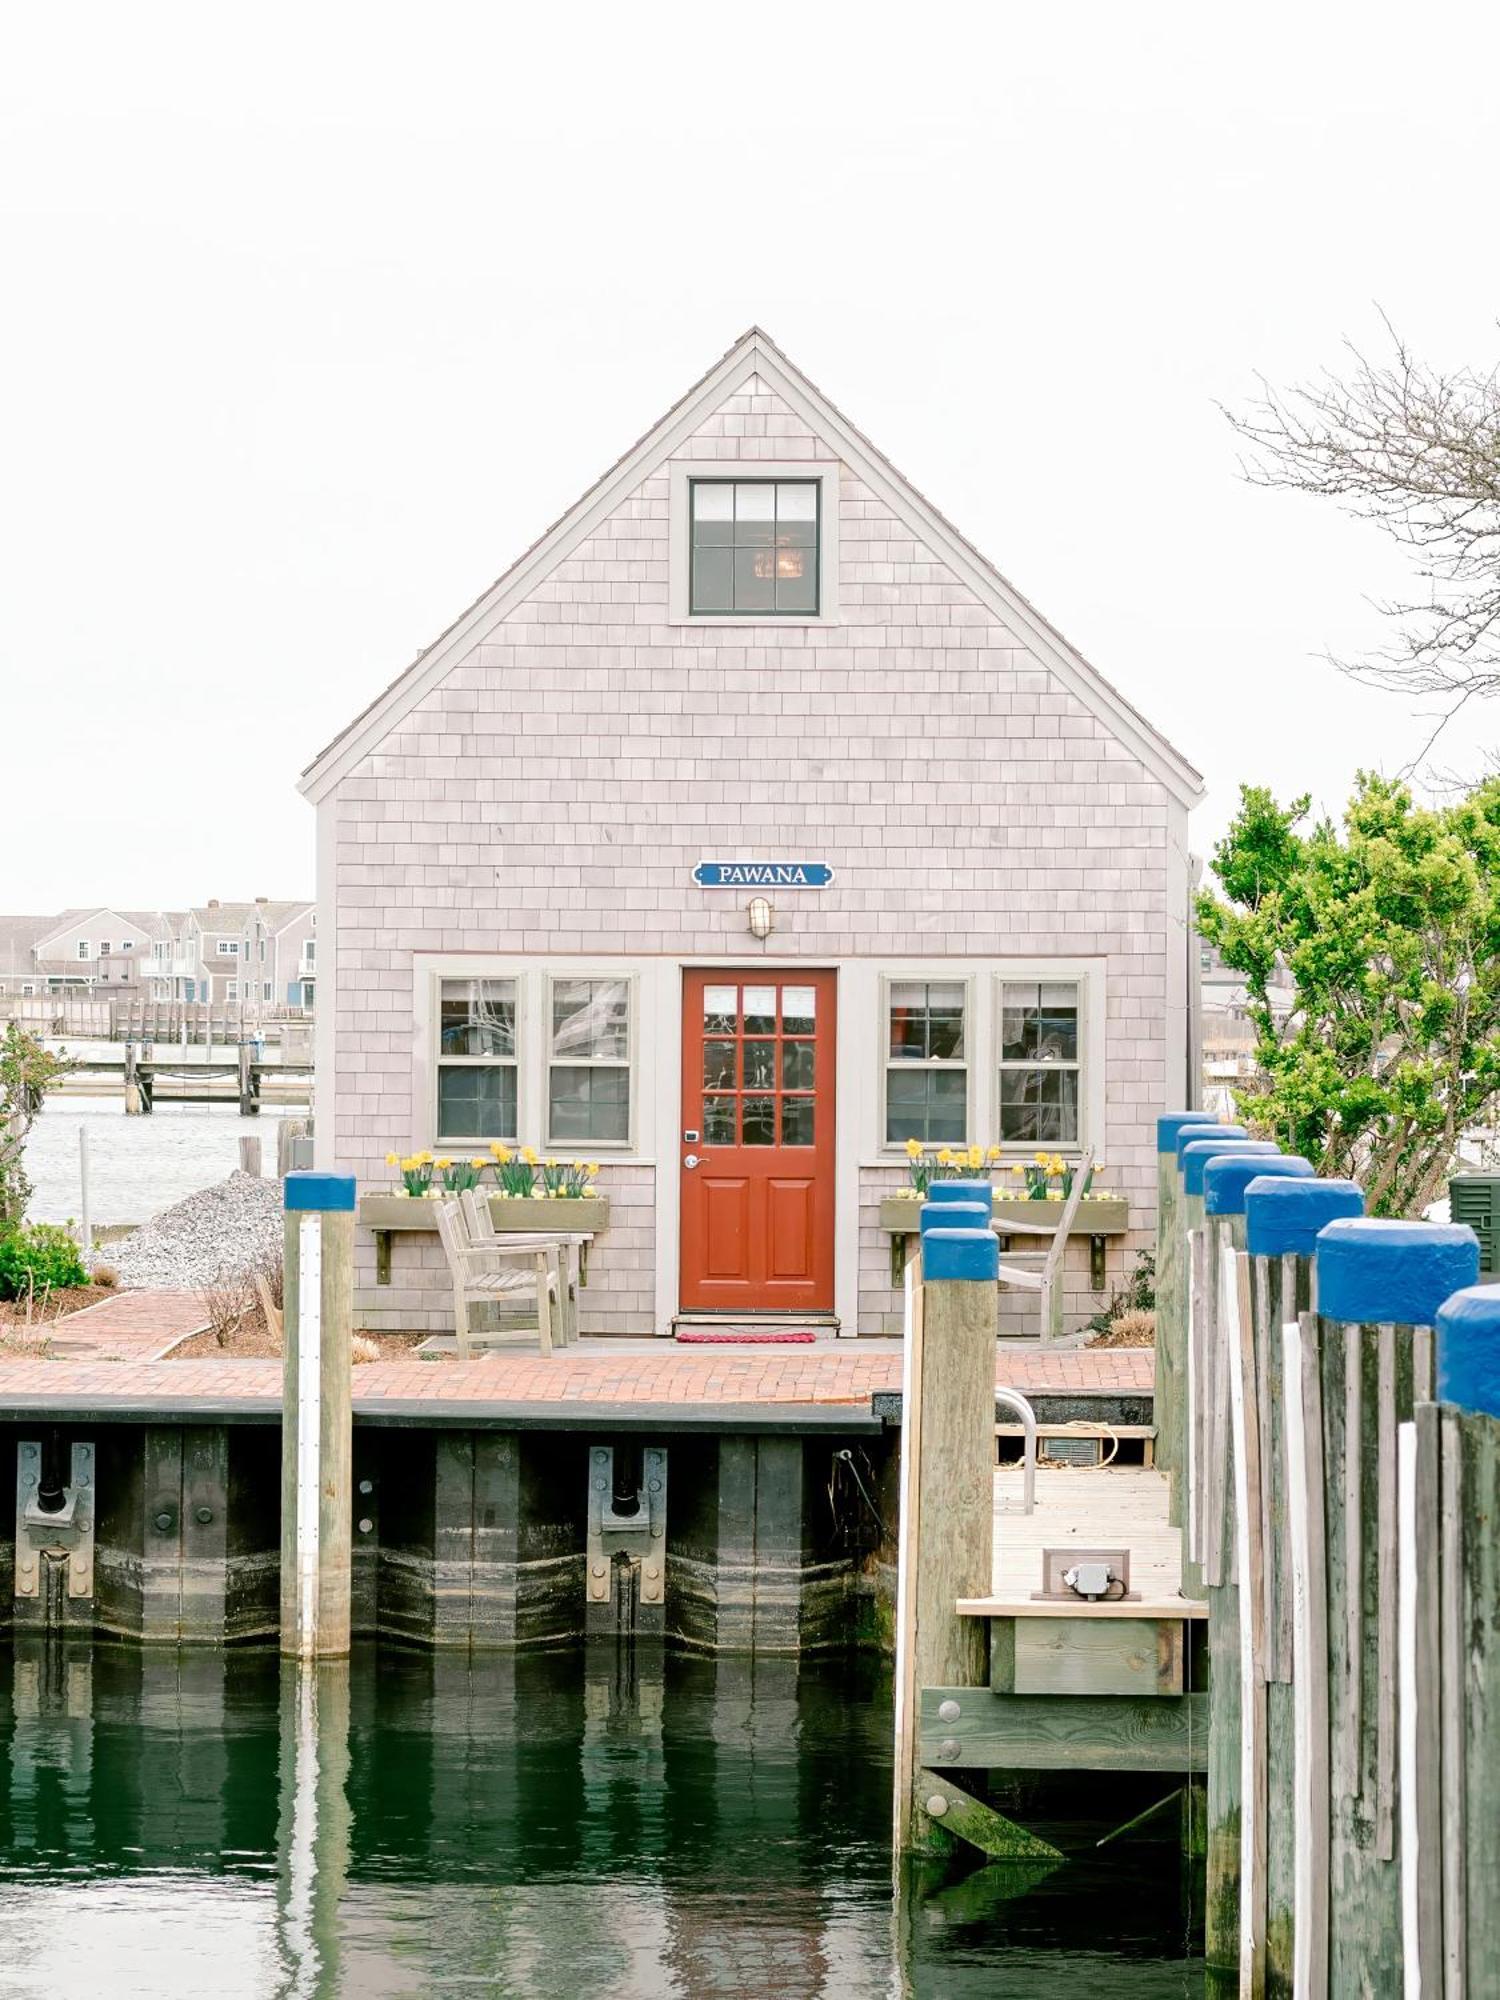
219, 1229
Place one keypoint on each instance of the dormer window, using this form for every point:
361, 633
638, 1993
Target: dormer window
754, 547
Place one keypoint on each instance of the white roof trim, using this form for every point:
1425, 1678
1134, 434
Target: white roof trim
754, 354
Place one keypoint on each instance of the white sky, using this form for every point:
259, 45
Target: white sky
314, 317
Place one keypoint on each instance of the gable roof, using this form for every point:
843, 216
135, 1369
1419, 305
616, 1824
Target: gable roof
755, 353
69, 920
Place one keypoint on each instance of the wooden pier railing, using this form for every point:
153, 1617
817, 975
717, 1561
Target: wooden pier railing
1335, 1452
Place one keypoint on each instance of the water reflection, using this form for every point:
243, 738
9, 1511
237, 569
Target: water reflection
555, 1826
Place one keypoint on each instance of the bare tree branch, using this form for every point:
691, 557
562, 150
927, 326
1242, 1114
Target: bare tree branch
1416, 451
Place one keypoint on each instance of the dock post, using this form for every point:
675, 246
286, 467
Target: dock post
947, 1499
1168, 1394
1458, 1721
249, 1099
1284, 1210
134, 1104
1238, 1774
85, 1219
1379, 1286
250, 1157
315, 1419
1191, 1253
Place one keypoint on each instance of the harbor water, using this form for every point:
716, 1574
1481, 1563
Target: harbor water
138, 1166
558, 1826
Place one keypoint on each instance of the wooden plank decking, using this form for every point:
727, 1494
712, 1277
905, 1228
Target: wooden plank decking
1089, 1508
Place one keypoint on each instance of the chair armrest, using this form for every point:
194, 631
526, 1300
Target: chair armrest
1022, 1228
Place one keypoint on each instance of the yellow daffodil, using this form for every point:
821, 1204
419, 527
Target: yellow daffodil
976, 1156
993, 1153
501, 1153
479, 1165
393, 1159
443, 1165
529, 1156
1018, 1169
592, 1170
914, 1149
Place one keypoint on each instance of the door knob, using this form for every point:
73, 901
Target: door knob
691, 1160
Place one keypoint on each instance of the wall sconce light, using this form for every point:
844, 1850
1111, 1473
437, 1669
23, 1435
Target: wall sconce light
760, 917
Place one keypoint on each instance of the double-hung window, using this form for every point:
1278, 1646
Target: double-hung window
754, 547
476, 1058
588, 1062
926, 1067
1039, 1061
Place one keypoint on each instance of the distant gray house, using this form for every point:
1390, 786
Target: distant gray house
260, 953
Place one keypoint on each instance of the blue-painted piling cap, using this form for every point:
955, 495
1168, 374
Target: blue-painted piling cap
960, 1253
1168, 1128
1190, 1133
1227, 1175
979, 1191
1195, 1158
1371, 1269
1283, 1217
309, 1193
954, 1215
1468, 1349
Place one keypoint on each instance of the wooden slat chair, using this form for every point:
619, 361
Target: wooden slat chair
566, 1246
1048, 1280
494, 1274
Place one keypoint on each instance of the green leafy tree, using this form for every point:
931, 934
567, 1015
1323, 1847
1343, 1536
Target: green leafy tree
27, 1072
1390, 929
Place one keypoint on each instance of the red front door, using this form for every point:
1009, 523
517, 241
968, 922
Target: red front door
757, 1146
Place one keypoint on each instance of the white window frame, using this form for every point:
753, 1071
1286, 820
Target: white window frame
450, 1140
309, 951
982, 1038
533, 977
267, 990
1089, 978
231, 989
550, 1062
954, 977
84, 949
227, 948
683, 471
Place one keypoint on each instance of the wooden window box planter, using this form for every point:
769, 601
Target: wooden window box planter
384, 1214
1095, 1219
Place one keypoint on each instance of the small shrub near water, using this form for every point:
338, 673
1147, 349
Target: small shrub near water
42, 1258
1136, 1295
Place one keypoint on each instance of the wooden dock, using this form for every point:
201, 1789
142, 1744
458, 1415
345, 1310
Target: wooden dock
1078, 1686
1000, 1681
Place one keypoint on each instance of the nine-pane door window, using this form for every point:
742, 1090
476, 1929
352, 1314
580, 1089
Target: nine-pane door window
926, 1071
476, 1058
588, 1070
1039, 1061
754, 547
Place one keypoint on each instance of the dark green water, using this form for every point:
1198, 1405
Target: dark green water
185, 1825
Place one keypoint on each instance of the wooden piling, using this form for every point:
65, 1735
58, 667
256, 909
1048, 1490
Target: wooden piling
315, 1426
947, 1500
250, 1156
1169, 1398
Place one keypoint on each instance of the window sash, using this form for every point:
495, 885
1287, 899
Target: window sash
1060, 1108
585, 1066
909, 1117
771, 546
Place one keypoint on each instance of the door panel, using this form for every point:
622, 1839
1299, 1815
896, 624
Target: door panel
757, 1096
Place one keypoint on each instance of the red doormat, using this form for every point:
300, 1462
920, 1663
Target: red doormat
746, 1339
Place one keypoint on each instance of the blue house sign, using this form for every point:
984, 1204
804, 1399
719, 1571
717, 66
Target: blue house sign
763, 874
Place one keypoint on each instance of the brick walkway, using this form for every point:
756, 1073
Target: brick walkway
132, 1326
838, 1373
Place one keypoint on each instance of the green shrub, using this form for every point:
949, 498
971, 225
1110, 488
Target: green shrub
41, 1258
1138, 1294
